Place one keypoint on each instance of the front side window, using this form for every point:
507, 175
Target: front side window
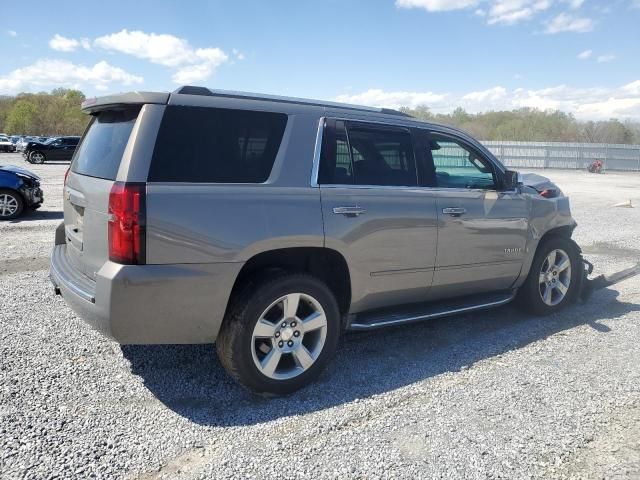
458, 166
214, 145
360, 154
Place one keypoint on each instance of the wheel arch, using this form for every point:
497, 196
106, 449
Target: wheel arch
563, 231
326, 264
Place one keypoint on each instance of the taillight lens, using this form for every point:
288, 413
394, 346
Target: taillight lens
66, 175
127, 223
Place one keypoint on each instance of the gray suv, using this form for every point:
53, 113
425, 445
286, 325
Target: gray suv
270, 225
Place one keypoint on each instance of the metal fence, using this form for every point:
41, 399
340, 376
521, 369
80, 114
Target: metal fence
566, 155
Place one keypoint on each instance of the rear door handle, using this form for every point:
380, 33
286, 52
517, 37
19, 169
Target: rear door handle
454, 211
350, 211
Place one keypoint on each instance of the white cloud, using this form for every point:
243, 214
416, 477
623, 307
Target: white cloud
632, 89
12, 33
238, 54
437, 5
574, 4
163, 49
508, 12
380, 98
63, 44
585, 54
606, 58
511, 12
490, 95
586, 103
566, 22
47, 73
192, 65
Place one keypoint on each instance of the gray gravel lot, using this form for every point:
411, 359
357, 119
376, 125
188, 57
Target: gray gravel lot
489, 395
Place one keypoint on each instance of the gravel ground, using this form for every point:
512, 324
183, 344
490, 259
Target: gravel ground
489, 395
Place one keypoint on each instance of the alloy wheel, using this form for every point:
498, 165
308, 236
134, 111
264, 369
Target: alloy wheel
289, 336
8, 205
555, 277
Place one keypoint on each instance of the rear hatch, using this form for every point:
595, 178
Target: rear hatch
94, 169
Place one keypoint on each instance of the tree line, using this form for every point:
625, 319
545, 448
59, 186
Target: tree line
58, 113
532, 125
43, 114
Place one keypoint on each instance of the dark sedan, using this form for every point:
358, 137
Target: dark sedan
19, 189
57, 148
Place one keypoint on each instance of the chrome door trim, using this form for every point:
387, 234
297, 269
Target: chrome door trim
454, 211
354, 210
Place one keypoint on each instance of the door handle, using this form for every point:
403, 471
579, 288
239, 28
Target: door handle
351, 211
454, 212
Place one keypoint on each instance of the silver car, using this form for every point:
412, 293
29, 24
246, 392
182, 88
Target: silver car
271, 225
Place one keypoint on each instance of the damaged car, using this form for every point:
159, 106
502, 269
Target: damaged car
19, 190
271, 225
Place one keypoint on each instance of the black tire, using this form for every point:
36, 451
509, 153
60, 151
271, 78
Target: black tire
18, 200
38, 160
530, 296
235, 342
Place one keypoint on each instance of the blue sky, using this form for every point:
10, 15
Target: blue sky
580, 56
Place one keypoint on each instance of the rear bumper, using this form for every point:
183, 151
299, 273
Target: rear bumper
148, 304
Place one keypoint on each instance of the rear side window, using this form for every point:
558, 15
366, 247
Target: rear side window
212, 145
100, 151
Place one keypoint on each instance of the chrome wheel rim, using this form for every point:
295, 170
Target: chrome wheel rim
8, 205
289, 336
555, 277
37, 157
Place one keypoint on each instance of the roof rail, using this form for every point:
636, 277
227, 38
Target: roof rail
195, 90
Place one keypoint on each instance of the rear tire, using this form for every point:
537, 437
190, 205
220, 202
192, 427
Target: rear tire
11, 204
279, 333
554, 277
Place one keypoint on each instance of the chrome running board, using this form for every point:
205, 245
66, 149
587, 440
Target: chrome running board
417, 313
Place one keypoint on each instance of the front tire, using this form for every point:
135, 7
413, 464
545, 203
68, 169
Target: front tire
554, 277
11, 204
37, 157
279, 333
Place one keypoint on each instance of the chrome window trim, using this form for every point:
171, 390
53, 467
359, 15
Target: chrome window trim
318, 152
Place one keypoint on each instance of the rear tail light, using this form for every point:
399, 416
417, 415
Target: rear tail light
127, 223
66, 175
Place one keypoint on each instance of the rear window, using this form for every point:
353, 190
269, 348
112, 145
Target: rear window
101, 149
212, 145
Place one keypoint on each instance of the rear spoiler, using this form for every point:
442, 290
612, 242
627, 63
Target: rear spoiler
91, 105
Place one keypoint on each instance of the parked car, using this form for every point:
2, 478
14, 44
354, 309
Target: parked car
6, 145
19, 190
270, 225
23, 142
55, 148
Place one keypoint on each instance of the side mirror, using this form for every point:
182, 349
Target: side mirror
512, 179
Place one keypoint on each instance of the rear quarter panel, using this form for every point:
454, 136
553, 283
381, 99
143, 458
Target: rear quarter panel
210, 223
